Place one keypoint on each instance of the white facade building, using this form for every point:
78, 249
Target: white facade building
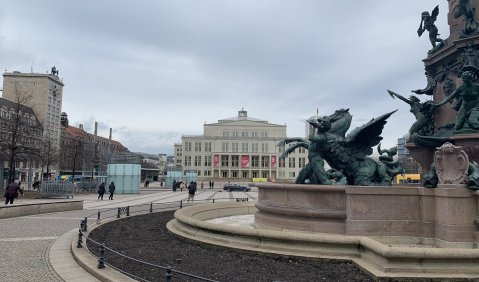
239, 148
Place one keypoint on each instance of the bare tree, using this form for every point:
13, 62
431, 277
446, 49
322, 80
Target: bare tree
72, 154
47, 155
20, 130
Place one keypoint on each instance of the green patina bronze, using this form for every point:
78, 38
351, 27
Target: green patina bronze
427, 23
348, 155
471, 25
423, 113
467, 96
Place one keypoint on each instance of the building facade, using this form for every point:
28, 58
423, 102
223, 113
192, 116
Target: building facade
86, 154
239, 148
21, 136
45, 95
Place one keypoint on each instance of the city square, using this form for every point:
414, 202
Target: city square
239, 141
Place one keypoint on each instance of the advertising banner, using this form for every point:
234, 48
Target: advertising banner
216, 160
273, 161
244, 161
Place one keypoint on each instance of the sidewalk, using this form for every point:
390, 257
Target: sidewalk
26, 241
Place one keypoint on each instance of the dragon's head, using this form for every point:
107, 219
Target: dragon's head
337, 123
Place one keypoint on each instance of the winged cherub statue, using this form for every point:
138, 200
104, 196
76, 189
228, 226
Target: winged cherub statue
427, 23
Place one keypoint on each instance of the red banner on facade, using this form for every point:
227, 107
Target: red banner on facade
244, 161
216, 160
273, 161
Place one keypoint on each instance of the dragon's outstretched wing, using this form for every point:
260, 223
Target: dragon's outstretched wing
434, 13
361, 139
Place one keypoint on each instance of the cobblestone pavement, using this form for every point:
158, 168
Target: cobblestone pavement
25, 241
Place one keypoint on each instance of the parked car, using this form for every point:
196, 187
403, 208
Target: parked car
236, 187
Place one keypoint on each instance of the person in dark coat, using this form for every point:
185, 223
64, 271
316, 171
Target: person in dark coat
11, 192
191, 191
101, 190
111, 189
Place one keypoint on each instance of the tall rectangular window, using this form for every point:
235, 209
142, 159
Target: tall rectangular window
224, 147
207, 160
197, 146
235, 161
301, 162
197, 160
234, 147
264, 147
255, 161
254, 147
292, 162
265, 161
244, 147
208, 147
225, 160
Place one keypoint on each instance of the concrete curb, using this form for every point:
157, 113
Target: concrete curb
89, 263
39, 208
63, 262
379, 259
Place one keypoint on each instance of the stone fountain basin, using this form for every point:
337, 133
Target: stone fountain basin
382, 256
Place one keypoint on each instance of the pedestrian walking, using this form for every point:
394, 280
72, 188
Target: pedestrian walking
111, 189
174, 186
11, 192
201, 184
191, 191
101, 190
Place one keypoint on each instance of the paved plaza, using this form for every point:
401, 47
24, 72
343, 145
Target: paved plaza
26, 242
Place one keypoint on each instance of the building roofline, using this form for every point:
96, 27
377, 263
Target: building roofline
47, 75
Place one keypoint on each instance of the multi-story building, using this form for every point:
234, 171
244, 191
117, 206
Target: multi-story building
82, 152
20, 141
240, 147
43, 93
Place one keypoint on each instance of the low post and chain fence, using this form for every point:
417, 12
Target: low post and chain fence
83, 237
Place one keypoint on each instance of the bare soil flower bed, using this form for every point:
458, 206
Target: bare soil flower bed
146, 238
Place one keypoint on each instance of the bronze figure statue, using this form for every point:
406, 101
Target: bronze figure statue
427, 23
467, 120
347, 155
424, 124
471, 26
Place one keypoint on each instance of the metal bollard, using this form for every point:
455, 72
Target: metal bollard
119, 211
128, 211
213, 200
98, 217
101, 257
168, 274
80, 239
85, 224
151, 207
181, 204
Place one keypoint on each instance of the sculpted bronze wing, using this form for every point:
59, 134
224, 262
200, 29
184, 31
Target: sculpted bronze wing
361, 139
434, 13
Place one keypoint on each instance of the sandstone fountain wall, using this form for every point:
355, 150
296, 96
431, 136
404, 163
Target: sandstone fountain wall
444, 216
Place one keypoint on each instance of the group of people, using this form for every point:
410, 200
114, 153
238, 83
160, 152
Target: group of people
102, 190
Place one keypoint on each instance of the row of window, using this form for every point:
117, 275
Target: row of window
245, 134
235, 147
234, 161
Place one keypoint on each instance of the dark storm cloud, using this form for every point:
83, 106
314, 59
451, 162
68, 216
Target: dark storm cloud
156, 70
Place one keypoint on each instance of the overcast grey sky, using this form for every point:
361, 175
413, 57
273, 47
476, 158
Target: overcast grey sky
155, 70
